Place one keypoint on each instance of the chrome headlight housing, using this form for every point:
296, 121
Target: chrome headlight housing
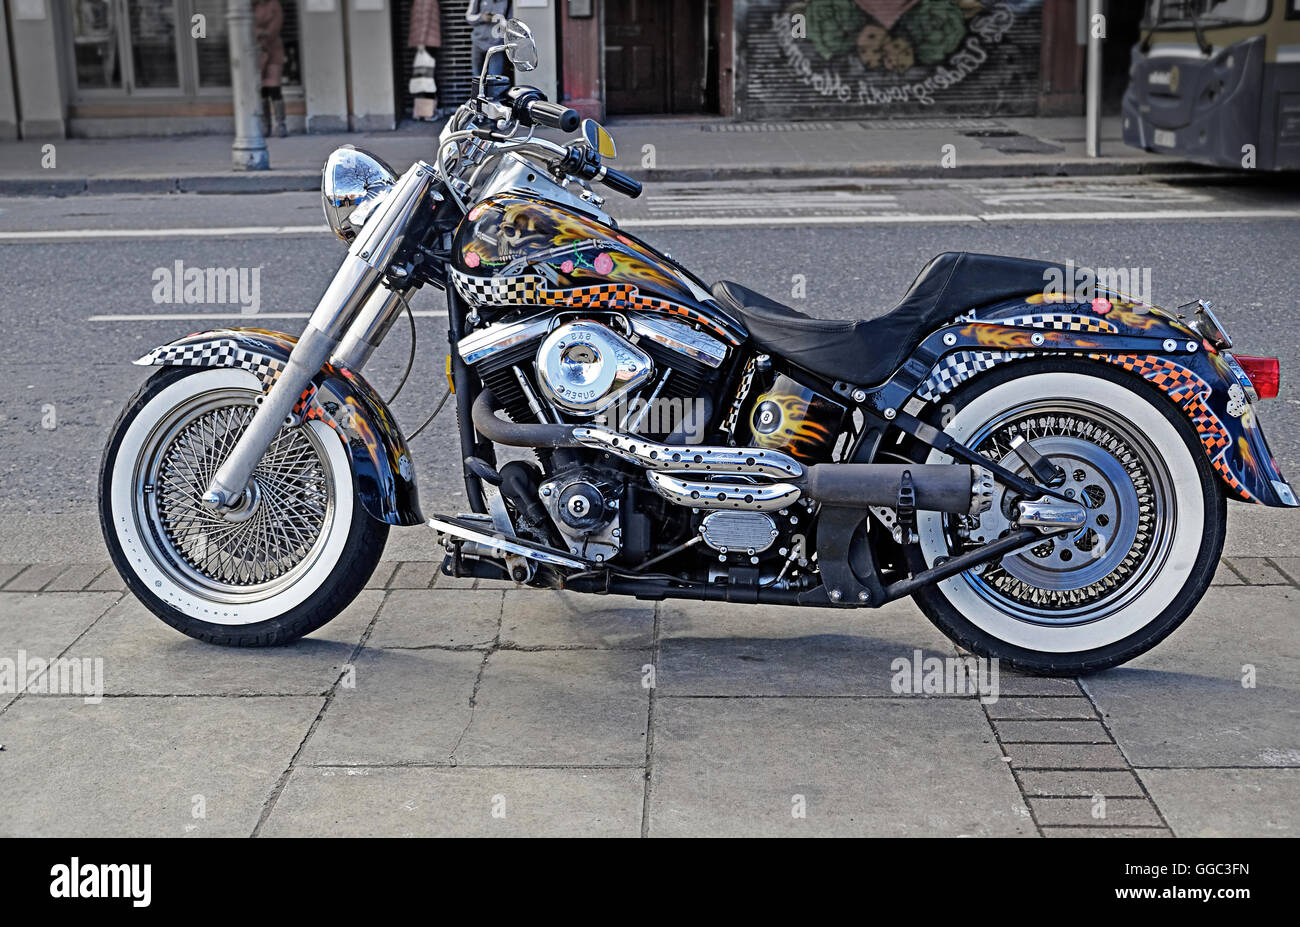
353, 182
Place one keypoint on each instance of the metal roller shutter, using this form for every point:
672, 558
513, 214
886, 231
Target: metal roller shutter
940, 57
452, 73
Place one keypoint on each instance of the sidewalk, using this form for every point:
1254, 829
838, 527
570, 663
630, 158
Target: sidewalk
683, 150
430, 708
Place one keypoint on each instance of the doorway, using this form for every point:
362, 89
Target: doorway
661, 56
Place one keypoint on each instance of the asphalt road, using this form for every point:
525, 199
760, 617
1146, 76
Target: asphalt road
79, 308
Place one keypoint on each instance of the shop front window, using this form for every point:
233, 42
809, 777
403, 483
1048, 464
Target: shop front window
168, 47
152, 38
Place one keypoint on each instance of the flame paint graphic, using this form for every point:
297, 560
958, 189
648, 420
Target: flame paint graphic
796, 432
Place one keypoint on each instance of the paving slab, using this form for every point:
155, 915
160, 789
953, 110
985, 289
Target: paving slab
1088, 812
1111, 832
35, 577
444, 618
860, 767
76, 577
1023, 709
145, 767
1227, 802
1065, 756
45, 625
406, 706
1080, 783
1183, 704
1258, 571
1290, 566
144, 656
414, 574
383, 573
559, 708
460, 802
710, 648
1051, 732
535, 618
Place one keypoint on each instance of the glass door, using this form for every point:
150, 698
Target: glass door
126, 46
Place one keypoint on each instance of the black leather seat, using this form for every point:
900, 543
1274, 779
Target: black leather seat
866, 352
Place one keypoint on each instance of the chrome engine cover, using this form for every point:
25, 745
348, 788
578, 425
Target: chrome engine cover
743, 532
584, 367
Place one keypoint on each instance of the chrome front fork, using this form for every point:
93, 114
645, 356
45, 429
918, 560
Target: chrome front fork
349, 321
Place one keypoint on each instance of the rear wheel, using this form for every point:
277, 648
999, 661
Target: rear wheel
280, 565
1102, 595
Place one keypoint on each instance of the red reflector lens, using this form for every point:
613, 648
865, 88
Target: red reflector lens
1264, 372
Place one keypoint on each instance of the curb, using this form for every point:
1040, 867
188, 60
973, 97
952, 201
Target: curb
301, 182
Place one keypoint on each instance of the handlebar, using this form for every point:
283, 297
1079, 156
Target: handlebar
553, 115
617, 180
529, 107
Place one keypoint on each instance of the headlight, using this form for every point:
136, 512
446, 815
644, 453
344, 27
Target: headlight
352, 184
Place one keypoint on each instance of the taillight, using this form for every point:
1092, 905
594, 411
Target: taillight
1265, 374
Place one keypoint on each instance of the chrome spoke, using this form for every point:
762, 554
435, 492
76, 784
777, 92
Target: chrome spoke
259, 543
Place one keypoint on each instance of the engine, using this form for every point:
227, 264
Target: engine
640, 374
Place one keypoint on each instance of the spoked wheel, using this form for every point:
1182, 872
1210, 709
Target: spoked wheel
1100, 595
286, 560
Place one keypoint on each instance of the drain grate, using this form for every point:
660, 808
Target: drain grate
746, 127
955, 124
1009, 142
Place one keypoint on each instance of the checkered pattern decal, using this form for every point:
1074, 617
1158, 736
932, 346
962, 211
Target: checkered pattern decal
1190, 392
1064, 322
533, 290
955, 369
224, 352
221, 352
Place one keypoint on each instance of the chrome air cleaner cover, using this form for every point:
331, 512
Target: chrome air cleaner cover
584, 367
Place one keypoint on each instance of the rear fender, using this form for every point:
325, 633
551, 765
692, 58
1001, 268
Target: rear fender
381, 462
1200, 384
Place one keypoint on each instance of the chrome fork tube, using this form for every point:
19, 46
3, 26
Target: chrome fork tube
335, 313
345, 302
370, 328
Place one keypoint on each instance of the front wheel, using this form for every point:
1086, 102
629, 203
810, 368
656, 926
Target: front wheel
280, 565
1102, 595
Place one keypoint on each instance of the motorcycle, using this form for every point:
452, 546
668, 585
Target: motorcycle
1046, 475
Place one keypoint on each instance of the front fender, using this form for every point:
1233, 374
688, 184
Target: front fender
381, 462
1201, 385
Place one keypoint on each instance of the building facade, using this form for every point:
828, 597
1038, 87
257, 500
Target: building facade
90, 68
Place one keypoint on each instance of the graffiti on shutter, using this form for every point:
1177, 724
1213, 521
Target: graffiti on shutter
880, 58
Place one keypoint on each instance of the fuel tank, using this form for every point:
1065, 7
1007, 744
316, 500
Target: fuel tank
514, 250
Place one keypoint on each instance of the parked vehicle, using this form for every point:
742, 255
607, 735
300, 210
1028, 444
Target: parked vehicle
1046, 475
1218, 81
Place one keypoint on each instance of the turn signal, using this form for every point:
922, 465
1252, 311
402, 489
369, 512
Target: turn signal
1265, 374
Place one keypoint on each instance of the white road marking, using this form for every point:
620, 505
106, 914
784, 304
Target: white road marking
1141, 215
222, 316
634, 222
1115, 196
913, 218
229, 232
739, 221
